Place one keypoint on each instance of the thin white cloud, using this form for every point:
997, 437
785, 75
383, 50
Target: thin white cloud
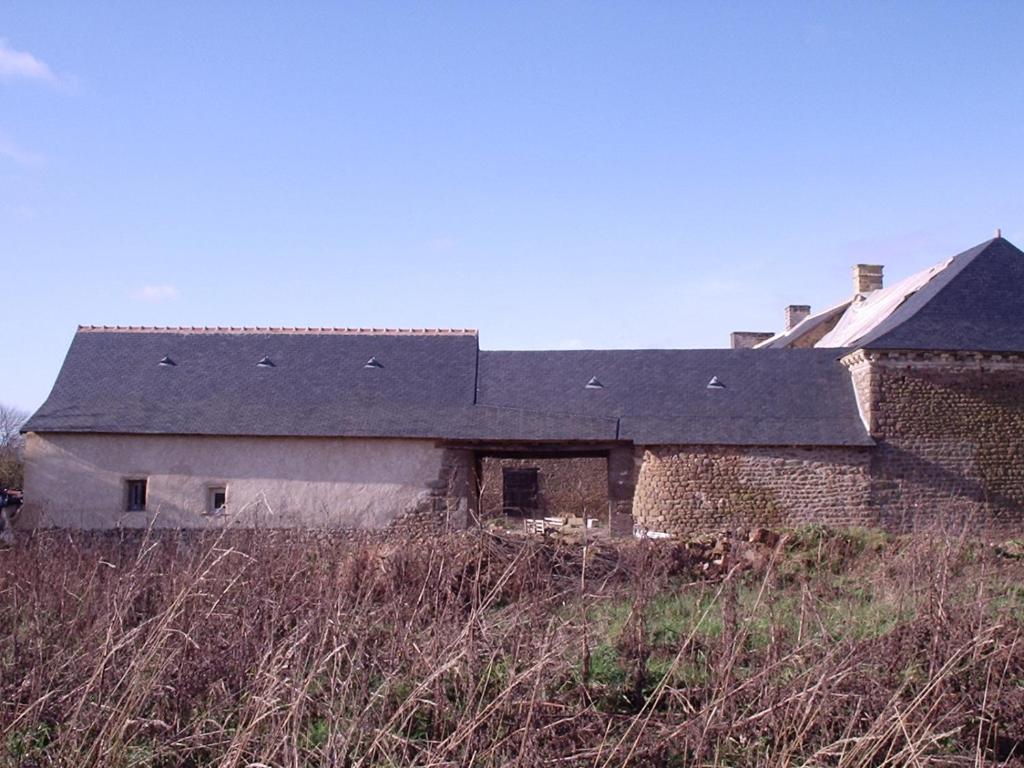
10, 150
155, 294
22, 64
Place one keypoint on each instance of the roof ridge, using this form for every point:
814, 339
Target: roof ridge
929, 290
277, 329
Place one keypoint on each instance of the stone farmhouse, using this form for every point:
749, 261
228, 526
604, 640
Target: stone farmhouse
899, 406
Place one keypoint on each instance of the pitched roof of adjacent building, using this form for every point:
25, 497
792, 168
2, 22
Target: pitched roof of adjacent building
307, 382
975, 302
971, 301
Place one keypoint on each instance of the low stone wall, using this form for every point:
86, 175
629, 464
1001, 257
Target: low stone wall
688, 490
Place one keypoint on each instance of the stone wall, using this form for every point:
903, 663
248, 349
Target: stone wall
567, 486
623, 469
950, 434
690, 490
449, 502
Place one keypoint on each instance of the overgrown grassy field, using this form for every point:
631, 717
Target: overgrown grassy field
833, 648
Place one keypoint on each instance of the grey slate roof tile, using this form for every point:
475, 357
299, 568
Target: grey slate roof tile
439, 386
770, 397
976, 303
111, 381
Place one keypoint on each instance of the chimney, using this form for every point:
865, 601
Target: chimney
795, 313
747, 339
867, 278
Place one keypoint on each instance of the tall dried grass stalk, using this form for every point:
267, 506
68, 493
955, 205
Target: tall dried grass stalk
277, 649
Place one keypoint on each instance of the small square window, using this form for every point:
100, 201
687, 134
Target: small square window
135, 497
217, 498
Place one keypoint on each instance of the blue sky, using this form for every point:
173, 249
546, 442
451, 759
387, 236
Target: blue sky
555, 174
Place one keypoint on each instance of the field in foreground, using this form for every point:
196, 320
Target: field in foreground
833, 648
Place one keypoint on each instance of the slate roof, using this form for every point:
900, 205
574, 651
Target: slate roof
770, 397
973, 301
976, 303
439, 385
111, 381
432, 383
866, 310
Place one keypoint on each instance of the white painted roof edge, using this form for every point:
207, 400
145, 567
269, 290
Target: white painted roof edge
806, 325
867, 312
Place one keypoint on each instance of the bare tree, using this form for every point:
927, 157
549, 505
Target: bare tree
12, 445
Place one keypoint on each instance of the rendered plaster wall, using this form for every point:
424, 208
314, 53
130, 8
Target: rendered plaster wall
692, 490
950, 434
79, 481
569, 486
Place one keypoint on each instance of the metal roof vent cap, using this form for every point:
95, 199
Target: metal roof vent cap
373, 362
167, 362
594, 383
265, 362
715, 383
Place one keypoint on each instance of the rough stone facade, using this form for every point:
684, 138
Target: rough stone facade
949, 433
690, 490
623, 468
949, 429
449, 501
571, 486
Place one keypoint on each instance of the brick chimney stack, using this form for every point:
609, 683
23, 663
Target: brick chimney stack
867, 278
795, 313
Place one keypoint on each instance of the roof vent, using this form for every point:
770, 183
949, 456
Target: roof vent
266, 362
166, 361
373, 362
594, 383
715, 383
